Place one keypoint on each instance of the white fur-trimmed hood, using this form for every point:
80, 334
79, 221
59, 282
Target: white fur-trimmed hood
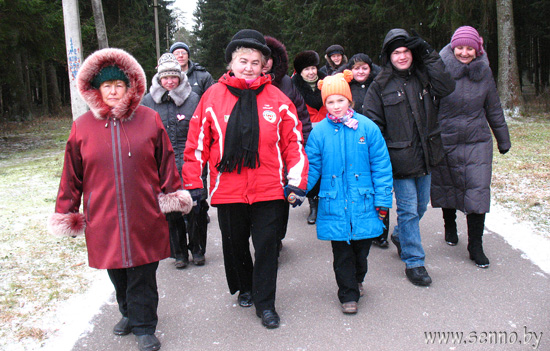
179, 94
128, 64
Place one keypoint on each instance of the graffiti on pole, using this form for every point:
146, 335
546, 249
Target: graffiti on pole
73, 57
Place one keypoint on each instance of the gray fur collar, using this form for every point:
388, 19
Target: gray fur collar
475, 70
178, 95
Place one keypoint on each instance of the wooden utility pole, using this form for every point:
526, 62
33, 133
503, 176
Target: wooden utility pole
73, 43
99, 20
157, 39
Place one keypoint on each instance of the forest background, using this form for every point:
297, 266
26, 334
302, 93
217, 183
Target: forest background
38, 271
33, 66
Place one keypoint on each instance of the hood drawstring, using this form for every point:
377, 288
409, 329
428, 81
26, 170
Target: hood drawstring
125, 135
127, 140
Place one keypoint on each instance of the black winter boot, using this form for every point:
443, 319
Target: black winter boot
476, 223
313, 203
449, 217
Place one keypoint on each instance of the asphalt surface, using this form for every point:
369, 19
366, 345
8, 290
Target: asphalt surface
499, 308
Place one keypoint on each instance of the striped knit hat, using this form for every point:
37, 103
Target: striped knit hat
467, 36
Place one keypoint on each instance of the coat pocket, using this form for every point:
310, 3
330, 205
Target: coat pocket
435, 148
329, 204
366, 200
394, 104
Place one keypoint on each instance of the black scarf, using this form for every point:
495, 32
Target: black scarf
242, 135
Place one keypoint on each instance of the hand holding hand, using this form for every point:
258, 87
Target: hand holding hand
295, 196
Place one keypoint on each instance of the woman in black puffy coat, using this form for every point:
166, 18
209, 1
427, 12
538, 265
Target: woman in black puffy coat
462, 180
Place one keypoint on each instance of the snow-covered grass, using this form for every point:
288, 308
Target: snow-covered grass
44, 280
37, 271
521, 178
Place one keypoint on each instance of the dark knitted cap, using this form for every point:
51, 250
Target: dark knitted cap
247, 38
360, 58
179, 45
334, 49
305, 59
109, 73
397, 43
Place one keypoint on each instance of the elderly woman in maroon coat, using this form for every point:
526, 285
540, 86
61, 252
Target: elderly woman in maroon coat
120, 162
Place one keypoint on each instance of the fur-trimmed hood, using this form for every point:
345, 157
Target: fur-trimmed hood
178, 95
475, 70
280, 59
128, 64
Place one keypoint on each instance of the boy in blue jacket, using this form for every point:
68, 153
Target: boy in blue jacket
347, 152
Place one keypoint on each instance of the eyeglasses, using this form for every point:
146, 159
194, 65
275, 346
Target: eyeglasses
180, 53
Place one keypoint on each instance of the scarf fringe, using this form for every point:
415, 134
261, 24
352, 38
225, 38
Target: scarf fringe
247, 158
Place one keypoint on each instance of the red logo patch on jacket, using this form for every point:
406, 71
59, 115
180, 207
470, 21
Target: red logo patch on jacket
270, 116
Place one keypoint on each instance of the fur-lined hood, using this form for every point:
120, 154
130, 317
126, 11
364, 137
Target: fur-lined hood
128, 64
280, 59
178, 95
475, 70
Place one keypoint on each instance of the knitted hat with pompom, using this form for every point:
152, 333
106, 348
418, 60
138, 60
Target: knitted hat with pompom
337, 84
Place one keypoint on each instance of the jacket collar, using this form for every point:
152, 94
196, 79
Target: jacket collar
178, 95
475, 70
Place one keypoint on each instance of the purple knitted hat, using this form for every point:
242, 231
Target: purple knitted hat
467, 36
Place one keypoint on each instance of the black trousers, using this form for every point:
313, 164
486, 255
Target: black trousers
137, 296
350, 267
194, 225
178, 239
197, 226
286, 215
263, 221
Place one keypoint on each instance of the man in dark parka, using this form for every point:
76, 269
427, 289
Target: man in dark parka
402, 101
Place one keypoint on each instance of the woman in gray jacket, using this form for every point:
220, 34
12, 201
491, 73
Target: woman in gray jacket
172, 97
462, 180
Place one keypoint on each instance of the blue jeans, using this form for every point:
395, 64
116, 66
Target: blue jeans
411, 197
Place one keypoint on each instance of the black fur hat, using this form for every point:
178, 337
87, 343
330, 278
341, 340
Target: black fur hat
305, 59
247, 38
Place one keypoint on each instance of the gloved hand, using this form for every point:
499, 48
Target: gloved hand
295, 196
196, 195
416, 44
382, 212
503, 151
173, 216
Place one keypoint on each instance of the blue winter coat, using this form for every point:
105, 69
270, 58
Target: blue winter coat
356, 177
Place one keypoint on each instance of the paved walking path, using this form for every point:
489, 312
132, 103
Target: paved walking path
495, 309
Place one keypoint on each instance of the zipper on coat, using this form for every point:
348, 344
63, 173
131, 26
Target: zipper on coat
122, 211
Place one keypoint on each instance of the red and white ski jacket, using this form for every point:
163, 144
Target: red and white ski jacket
281, 151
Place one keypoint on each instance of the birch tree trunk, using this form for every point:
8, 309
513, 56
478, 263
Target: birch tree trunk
99, 21
508, 74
